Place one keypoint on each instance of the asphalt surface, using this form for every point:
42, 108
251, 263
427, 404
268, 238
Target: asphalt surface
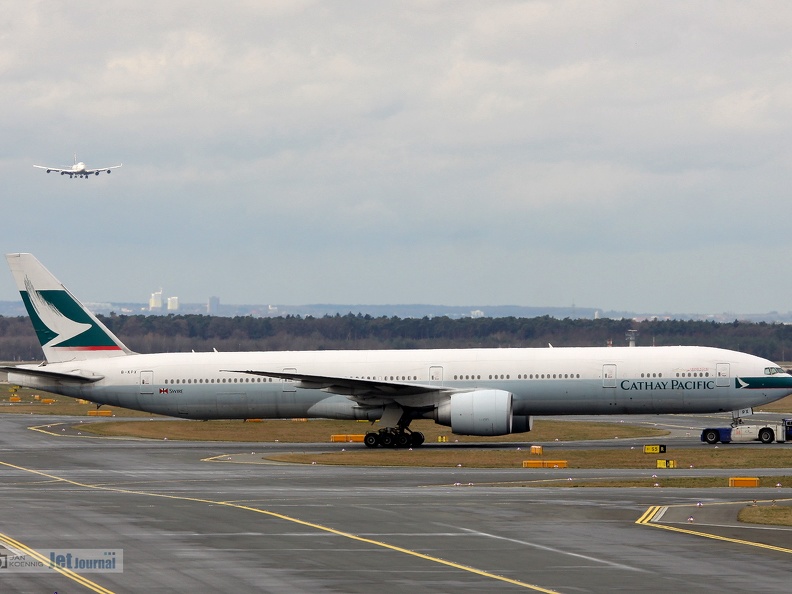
202, 517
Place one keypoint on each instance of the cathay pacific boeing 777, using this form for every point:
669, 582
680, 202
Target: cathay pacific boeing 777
474, 391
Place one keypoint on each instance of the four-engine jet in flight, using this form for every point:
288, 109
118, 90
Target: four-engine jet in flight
78, 169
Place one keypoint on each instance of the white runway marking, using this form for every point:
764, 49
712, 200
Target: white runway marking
552, 550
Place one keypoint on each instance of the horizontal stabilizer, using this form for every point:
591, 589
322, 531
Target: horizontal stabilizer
77, 375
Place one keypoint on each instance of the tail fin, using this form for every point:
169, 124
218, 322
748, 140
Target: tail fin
66, 330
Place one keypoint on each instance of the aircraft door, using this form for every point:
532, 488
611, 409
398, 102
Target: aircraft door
722, 374
436, 374
288, 385
609, 375
146, 382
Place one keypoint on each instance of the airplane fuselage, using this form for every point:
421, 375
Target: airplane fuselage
552, 381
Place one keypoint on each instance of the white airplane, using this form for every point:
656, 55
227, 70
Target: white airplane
78, 169
474, 391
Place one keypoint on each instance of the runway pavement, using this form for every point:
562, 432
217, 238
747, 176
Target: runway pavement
188, 524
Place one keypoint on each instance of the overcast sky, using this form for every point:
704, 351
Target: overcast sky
620, 155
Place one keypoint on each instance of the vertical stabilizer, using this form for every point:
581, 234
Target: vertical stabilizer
66, 330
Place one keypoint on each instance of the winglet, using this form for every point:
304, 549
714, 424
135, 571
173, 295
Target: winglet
66, 330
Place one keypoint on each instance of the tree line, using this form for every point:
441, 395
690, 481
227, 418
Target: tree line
183, 333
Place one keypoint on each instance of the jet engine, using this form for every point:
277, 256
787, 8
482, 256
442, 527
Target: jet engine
481, 412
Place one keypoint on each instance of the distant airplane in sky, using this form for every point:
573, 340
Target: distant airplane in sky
78, 169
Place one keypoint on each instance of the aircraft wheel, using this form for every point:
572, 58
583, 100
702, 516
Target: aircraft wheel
766, 436
386, 440
711, 437
403, 440
417, 439
371, 440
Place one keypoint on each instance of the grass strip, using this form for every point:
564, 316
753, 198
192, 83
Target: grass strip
702, 482
318, 431
626, 457
776, 515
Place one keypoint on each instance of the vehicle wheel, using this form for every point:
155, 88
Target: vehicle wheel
766, 436
386, 440
371, 440
417, 439
711, 436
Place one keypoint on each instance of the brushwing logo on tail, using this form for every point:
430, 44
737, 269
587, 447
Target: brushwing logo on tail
60, 322
50, 316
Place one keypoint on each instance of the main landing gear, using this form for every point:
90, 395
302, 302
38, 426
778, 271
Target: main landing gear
395, 432
394, 437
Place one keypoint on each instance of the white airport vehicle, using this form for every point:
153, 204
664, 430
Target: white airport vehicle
741, 432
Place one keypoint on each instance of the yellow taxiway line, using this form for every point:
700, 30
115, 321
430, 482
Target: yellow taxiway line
648, 516
286, 518
15, 545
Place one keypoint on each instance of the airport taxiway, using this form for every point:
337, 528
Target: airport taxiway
186, 524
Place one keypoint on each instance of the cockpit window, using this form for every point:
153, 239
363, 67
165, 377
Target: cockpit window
773, 370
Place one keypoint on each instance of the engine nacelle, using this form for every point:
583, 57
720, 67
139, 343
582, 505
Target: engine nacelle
481, 412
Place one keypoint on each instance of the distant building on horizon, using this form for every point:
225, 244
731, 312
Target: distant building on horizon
155, 301
173, 304
213, 306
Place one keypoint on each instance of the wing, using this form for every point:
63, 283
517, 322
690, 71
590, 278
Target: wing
56, 169
99, 169
363, 391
